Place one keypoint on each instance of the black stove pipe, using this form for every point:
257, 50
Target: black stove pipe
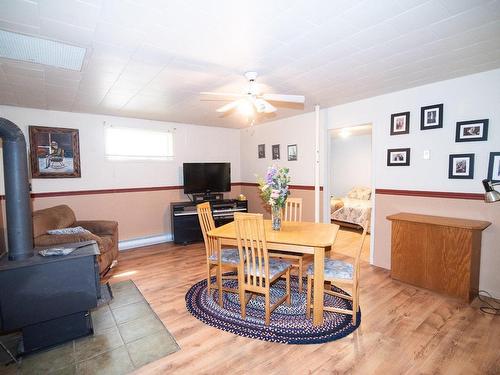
17, 191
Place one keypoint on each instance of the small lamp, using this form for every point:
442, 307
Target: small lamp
490, 195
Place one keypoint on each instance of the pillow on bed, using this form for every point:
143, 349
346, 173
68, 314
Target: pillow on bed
360, 192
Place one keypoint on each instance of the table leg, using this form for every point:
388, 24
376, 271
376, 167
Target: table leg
319, 281
219, 271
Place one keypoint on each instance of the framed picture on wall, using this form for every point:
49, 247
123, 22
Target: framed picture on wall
261, 151
292, 152
431, 117
400, 123
276, 152
472, 131
494, 167
398, 157
461, 166
55, 152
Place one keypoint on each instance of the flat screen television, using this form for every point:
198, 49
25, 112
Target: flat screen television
206, 177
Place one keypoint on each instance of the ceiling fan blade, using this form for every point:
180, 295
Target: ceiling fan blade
223, 94
228, 106
284, 98
262, 106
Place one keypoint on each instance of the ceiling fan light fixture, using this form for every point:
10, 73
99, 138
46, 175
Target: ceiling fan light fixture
246, 108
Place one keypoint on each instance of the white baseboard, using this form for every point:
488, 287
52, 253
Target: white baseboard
145, 241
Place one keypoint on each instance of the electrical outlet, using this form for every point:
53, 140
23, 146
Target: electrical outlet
427, 154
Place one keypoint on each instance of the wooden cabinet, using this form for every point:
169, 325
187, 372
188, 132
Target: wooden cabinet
438, 253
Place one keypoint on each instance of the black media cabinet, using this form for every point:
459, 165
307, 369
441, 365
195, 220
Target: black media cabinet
185, 225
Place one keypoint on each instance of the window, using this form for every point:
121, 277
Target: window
132, 143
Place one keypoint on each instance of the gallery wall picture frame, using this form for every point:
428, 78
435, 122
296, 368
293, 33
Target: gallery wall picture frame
494, 167
54, 152
400, 123
461, 166
431, 117
398, 157
275, 152
261, 151
292, 152
472, 131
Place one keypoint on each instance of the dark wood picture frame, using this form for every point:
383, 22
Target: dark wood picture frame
478, 130
261, 151
494, 167
431, 117
398, 120
275, 152
54, 152
468, 168
405, 160
292, 152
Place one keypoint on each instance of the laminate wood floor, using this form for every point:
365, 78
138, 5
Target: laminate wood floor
404, 330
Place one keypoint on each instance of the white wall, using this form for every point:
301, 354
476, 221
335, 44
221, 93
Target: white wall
467, 98
297, 130
350, 163
191, 143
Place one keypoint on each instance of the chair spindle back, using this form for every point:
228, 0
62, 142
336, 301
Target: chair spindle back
293, 209
252, 246
207, 224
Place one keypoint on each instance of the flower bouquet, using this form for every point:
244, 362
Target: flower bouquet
274, 191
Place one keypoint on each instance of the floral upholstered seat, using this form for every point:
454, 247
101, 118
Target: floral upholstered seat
276, 266
231, 256
335, 269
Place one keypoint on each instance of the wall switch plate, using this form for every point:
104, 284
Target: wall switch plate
427, 154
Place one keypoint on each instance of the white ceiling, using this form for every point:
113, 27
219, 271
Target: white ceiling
151, 58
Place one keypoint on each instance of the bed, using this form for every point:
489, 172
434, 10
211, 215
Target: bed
352, 210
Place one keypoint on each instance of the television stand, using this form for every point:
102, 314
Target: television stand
204, 197
185, 225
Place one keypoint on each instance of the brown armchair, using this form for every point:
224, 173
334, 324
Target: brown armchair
104, 232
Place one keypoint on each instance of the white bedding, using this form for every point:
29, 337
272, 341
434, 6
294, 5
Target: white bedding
354, 211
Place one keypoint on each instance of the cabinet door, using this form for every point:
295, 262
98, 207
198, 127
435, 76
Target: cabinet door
409, 243
448, 260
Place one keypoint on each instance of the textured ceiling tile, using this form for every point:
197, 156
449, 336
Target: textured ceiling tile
19, 12
72, 11
65, 32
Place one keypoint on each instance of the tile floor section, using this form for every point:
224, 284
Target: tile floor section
127, 335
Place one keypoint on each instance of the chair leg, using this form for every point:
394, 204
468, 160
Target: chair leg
355, 303
241, 292
209, 276
309, 294
287, 280
268, 307
300, 274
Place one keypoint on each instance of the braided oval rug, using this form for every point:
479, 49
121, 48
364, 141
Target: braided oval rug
289, 324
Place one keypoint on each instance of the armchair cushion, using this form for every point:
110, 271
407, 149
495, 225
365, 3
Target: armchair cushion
99, 227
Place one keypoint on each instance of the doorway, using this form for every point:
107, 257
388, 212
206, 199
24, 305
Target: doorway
350, 185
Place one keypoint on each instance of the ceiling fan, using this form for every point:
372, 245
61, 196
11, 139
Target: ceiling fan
253, 101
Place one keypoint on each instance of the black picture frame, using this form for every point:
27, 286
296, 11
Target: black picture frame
398, 157
431, 117
472, 131
464, 170
292, 152
261, 151
494, 167
275, 152
400, 123
54, 152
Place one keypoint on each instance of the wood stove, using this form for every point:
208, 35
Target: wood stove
47, 298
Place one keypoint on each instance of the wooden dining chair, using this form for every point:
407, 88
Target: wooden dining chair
293, 212
257, 272
339, 272
229, 259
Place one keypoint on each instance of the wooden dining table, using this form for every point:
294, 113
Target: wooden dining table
295, 237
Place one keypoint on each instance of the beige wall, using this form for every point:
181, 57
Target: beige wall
139, 214
460, 208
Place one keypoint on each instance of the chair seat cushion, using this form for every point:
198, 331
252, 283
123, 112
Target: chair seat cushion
231, 256
335, 269
276, 266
